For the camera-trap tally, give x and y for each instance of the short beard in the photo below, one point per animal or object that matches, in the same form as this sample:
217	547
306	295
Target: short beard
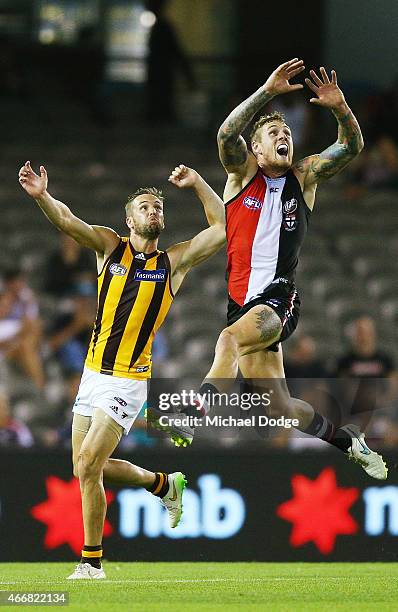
149	232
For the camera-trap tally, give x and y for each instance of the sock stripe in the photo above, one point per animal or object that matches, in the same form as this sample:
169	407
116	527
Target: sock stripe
160	484
92	554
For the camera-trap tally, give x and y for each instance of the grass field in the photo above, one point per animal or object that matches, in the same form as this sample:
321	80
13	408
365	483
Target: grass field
215	586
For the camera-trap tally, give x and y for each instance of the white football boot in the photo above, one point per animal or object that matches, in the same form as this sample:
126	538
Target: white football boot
85	571
172	501
360	452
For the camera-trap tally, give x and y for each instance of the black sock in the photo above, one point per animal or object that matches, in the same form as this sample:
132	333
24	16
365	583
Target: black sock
341	439
92	555
161	485
207	390
322	428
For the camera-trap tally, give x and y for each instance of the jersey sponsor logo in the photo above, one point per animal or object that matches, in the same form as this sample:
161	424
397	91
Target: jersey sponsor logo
141	369
140	256
252	203
117	269
120	401
153	276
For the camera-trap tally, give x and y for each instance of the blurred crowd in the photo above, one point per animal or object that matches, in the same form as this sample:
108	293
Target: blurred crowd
46	352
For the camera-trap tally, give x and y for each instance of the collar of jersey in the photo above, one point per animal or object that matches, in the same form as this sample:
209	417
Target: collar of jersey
277	178
146	255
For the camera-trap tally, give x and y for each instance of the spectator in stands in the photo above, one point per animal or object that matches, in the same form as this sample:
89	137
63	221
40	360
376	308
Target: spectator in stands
376	168
72	330
302	360
166	59
373	395
364	359
301	367
66	266
20	326
12	431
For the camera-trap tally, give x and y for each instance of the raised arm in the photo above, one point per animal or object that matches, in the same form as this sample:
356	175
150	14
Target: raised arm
192	252
101	239
232	147
349	141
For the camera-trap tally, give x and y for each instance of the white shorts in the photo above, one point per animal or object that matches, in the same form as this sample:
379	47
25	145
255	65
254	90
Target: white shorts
121	398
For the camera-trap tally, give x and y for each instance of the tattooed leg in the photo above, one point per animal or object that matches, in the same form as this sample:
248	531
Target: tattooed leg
256	330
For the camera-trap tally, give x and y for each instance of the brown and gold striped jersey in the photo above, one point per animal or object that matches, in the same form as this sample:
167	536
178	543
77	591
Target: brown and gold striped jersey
134	296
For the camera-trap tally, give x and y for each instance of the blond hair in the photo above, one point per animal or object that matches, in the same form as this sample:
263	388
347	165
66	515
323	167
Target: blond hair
274	116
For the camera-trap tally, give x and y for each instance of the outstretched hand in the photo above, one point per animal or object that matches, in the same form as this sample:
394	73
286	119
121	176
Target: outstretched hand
278	82
35	185
328	92
183	177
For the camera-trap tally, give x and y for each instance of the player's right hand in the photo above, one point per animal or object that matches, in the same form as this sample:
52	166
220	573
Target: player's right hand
278	82
35	185
183	177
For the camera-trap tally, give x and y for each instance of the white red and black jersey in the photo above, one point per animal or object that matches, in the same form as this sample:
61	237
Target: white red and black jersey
266	224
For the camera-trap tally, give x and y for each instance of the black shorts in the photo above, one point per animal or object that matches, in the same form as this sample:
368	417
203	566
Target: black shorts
283	299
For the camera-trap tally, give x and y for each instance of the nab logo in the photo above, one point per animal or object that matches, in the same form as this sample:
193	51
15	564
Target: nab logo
214	513
117	269
252	203
319	511
153	276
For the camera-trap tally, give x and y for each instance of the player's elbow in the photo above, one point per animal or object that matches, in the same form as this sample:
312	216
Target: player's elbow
223	138
355	147
66	220
218	235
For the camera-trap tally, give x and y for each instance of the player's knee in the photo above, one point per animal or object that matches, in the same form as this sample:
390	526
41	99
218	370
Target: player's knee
88	466
227	342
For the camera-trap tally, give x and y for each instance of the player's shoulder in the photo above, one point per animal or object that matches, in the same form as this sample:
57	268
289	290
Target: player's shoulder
237	181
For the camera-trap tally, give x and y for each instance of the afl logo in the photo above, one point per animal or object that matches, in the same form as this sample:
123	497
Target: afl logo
252	203
117	269
290	206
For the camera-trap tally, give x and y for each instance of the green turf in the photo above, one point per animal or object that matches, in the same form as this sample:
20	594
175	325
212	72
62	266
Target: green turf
215	586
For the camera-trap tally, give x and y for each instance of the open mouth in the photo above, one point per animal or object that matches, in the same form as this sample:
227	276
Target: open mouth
282	149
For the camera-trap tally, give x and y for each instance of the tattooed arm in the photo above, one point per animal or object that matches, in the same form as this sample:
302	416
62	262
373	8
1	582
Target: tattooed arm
349	144
232	147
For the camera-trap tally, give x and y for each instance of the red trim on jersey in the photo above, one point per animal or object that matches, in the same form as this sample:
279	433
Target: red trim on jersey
241	226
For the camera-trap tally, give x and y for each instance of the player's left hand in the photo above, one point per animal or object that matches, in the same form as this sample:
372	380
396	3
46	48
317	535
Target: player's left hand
183	177
328	92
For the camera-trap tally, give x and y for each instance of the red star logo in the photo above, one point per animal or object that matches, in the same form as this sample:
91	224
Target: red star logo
62	513
319	511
